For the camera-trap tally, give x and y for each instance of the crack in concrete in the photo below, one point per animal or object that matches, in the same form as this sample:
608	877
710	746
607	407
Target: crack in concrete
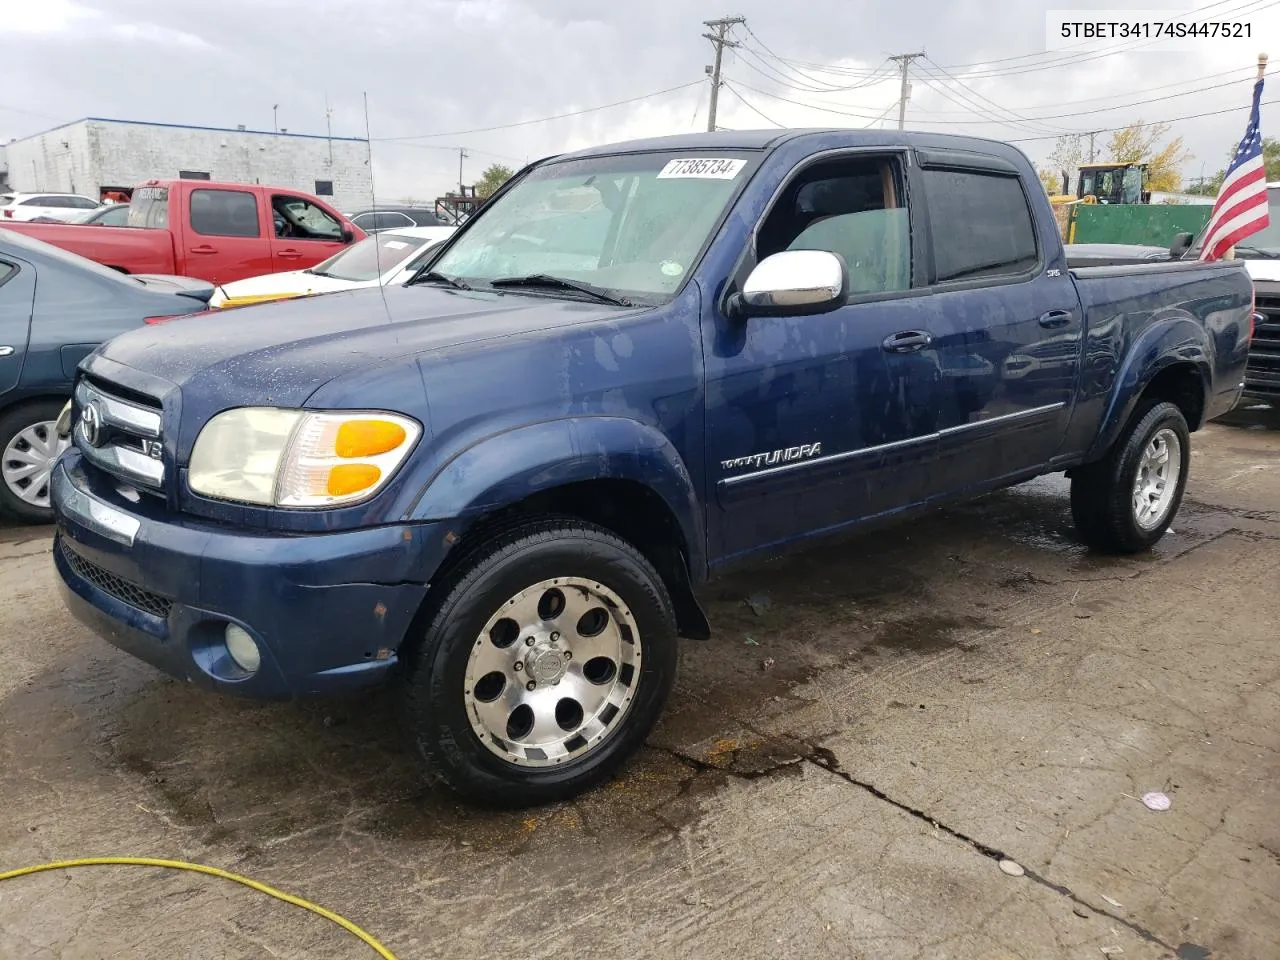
824	759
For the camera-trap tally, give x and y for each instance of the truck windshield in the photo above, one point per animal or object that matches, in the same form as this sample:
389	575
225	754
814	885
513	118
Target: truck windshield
149	207
1263	245
632	226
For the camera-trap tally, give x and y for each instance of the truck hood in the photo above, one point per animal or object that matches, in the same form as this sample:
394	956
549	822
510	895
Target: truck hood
280	353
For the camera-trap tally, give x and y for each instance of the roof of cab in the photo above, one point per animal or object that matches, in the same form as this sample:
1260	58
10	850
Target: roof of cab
769	139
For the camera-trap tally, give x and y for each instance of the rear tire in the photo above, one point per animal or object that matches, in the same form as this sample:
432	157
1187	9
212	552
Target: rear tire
1125	502
29	445
545	665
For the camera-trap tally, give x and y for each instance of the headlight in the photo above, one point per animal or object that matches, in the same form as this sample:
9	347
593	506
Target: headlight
292	458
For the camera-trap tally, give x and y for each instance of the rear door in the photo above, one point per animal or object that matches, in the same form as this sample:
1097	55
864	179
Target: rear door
305	232
1004	322
224	240
17	295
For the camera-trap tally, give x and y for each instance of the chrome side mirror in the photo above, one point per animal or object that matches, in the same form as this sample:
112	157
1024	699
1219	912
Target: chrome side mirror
794	283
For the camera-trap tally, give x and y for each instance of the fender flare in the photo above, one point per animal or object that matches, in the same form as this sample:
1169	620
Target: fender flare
507	467
1171	340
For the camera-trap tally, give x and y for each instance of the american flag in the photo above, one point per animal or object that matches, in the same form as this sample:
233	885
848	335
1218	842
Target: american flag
1241	207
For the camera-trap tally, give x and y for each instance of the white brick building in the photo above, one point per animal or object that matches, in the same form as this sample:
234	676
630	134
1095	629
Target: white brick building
92	155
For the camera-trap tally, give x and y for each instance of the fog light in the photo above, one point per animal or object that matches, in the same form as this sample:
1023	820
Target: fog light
244	651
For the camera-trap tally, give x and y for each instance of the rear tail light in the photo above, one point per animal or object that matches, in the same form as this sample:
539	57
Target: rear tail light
9	214
155	320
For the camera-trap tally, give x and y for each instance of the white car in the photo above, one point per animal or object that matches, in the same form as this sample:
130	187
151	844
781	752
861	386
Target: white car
60	206
389	257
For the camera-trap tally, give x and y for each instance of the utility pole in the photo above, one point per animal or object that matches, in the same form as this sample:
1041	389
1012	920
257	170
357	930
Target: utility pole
1092	134
275	119
719	40
904	63
462	155
328	125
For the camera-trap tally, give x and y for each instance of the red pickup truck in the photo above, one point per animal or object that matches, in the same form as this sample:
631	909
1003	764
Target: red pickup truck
220	232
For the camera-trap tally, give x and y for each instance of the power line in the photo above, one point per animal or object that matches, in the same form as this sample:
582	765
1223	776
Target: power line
878	72
558	116
751	106
1070	59
1153	123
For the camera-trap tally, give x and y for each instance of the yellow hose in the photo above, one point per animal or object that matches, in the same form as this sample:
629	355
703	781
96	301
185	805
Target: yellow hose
318	910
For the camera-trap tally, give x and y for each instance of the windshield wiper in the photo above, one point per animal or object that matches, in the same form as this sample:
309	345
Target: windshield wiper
547	281
432	277
1259	253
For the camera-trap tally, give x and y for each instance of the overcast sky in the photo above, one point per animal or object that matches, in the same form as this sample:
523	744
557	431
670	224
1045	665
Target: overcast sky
439	67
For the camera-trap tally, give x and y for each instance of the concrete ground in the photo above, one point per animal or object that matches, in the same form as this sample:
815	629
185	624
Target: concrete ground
837	774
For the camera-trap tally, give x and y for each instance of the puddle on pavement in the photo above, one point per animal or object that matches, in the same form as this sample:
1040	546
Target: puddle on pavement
929	634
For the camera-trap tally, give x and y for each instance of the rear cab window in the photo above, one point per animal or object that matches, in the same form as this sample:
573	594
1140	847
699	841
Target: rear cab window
149	207
981	224
224	213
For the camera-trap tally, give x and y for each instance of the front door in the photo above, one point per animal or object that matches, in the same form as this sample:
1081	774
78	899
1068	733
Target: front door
304	233
17	295
817	421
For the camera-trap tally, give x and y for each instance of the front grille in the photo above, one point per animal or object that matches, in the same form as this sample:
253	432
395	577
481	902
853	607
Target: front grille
119	434
118	587
1262	376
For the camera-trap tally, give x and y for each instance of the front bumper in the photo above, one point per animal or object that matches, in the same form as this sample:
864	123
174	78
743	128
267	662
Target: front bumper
328	611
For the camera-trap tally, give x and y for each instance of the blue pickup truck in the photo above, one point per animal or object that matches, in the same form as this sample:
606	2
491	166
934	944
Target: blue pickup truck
499	486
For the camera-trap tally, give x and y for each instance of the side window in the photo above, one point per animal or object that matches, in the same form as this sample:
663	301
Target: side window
982	225
81	203
7	270
853	207
299	219
224	213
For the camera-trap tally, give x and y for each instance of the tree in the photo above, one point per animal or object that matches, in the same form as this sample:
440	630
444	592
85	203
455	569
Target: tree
1049	180
494	177
1270	159
1141	143
1068	154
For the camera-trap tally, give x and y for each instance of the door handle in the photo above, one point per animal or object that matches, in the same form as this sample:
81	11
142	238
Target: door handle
906	341
204	248
288	254
1055	318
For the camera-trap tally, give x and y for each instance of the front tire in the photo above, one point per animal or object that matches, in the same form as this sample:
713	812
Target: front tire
545	665
29	446
1125	502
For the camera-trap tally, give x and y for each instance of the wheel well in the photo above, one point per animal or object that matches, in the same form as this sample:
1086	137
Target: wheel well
636	514
30	399
1183	386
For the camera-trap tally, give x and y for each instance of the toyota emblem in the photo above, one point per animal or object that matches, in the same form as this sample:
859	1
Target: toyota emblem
91	424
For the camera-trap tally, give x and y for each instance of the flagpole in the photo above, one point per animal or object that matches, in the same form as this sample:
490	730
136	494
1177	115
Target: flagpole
1262	70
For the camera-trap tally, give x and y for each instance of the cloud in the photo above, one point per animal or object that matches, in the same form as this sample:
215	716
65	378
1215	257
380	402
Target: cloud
433	66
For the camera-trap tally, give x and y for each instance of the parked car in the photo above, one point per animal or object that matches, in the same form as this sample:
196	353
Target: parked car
501	481
392	218
55	308
220	232
1261	255
388	257
58	206
108	215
